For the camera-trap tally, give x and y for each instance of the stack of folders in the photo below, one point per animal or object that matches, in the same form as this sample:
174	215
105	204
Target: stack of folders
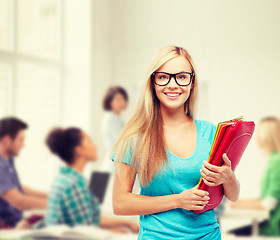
232	138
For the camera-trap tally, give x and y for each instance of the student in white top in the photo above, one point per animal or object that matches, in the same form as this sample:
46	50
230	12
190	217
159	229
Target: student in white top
114	103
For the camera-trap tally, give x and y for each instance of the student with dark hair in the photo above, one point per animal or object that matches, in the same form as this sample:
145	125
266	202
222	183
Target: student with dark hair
114	103
70	201
14	198
112	99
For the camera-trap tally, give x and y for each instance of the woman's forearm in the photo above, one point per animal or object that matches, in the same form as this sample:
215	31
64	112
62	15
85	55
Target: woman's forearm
232	188
135	204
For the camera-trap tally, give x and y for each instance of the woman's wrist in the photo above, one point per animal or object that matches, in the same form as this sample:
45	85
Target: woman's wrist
177	200
231	178
232	188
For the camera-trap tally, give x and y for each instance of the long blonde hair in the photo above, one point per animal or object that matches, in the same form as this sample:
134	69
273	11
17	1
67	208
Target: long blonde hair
143	132
269	134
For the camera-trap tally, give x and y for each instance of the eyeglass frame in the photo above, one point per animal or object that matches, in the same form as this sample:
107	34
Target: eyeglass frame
172	76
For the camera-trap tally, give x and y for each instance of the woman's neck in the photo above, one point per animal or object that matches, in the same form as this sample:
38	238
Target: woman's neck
79	164
173	117
118	113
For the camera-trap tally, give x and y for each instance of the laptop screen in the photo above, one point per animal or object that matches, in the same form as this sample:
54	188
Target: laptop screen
98	184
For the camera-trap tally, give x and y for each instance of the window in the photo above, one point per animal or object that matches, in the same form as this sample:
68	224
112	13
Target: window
31	71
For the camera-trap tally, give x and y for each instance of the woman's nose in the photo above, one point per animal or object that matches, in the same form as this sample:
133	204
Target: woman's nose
172	83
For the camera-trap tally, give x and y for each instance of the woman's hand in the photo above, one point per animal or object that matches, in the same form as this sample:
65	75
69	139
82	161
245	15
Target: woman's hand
193	199
213	175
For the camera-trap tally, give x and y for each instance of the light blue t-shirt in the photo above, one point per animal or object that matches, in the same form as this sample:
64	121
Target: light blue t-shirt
181	174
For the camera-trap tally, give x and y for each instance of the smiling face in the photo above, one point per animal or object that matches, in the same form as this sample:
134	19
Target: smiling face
173	96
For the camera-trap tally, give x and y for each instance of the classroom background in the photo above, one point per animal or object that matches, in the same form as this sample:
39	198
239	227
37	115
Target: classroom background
58	58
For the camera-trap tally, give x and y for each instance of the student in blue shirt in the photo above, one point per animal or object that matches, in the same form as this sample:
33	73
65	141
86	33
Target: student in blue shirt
15	197
70	202
167	148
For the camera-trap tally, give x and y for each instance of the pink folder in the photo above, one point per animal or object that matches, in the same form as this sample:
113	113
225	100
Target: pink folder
232	138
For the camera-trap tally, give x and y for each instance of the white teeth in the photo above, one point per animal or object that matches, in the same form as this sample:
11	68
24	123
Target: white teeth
172	95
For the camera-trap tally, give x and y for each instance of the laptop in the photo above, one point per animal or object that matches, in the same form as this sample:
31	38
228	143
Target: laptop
98	184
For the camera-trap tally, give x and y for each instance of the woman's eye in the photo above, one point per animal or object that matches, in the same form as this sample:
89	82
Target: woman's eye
162	77
181	77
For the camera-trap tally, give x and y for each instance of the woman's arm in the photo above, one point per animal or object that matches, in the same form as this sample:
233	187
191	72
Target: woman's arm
127	203
214	175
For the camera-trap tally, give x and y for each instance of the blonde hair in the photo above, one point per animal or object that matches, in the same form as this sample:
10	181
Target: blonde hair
269	134
143	133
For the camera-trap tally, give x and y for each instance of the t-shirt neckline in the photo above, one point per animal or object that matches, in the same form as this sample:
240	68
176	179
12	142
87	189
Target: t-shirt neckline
196	145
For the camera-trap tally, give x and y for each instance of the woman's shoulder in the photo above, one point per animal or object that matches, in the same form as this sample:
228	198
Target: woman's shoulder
205	126
206	129
205	123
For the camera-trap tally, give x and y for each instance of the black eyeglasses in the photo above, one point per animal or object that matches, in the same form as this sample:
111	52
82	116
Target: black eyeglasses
181	78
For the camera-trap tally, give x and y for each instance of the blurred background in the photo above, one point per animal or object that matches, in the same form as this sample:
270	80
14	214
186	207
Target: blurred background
58	58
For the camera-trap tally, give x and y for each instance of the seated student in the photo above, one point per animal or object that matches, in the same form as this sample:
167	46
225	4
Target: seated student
14	198
268	139
70	201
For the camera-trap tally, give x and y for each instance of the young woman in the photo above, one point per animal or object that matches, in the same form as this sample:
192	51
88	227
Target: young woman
167	147
70	201
268	139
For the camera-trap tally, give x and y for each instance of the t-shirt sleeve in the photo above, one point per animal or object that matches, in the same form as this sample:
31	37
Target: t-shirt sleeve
6	181
126	158
274	178
208	130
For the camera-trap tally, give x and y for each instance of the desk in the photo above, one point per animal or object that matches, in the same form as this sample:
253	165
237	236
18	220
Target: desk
17	235
255	215
28	213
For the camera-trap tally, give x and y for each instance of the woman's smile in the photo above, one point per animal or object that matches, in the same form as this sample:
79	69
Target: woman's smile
172	95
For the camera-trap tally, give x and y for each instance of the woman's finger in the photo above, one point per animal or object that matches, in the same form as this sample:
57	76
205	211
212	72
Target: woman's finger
200	193
212	167
208	172
211	184
200	202
227	162
199	198
194	207
207	177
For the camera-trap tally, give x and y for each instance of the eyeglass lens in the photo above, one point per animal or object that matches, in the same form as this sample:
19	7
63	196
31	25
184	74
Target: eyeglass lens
181	78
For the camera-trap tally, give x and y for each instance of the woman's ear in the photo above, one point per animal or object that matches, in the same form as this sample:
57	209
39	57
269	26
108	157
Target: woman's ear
192	85
78	151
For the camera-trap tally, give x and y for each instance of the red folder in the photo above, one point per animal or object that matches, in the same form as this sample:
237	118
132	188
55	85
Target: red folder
232	138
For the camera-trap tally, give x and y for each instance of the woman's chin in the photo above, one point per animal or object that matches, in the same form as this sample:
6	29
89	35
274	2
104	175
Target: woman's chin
172	105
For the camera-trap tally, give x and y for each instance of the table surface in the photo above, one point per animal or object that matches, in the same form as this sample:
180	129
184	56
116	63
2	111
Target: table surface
245	213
